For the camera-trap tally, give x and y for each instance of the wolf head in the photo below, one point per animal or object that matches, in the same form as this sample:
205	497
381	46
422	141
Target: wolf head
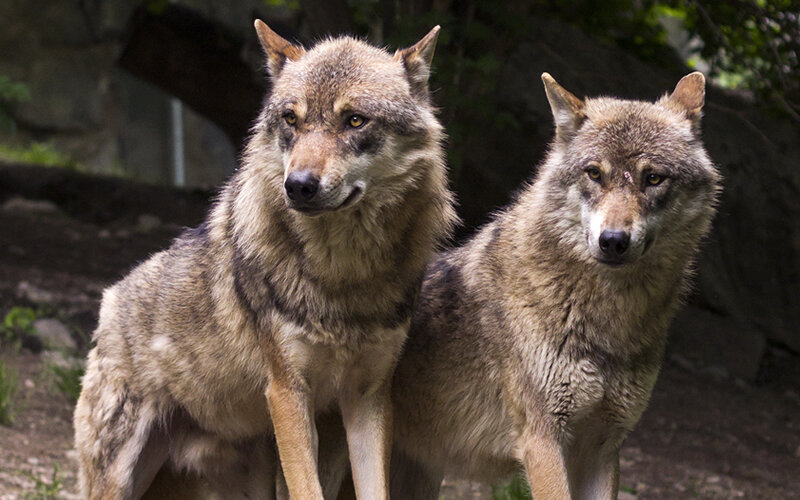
347	118
633	176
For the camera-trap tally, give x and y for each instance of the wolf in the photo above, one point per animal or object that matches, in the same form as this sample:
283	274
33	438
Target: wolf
535	346
294	296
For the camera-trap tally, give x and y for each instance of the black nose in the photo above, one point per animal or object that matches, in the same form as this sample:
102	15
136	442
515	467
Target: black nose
614	243
301	186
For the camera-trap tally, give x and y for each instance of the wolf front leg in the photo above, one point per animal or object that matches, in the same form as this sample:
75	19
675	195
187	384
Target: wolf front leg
543	458
291	409
594	469
368	424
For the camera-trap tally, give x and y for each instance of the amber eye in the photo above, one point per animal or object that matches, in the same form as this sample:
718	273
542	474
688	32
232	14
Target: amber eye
654	179
594	173
356	121
290	118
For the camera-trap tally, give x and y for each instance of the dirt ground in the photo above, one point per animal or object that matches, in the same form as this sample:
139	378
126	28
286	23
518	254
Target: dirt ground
702	436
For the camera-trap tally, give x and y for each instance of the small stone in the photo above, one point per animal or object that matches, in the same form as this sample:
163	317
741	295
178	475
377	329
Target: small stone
54	334
147	222
34	294
58	358
712	479
104	234
24	205
717	373
682	363
29	384
624	495
33	460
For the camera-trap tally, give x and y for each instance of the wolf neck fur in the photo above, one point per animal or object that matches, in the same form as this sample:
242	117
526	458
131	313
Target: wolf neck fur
347	248
557	281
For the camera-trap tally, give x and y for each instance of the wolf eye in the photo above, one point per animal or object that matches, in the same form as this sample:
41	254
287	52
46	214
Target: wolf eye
356	121
654	179
594	173
290	118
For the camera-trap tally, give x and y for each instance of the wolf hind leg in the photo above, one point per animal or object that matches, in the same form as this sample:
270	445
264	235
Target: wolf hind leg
411	480
120	440
250	476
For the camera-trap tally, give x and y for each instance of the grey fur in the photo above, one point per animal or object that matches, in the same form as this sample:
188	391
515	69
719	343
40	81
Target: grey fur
309	309
526	352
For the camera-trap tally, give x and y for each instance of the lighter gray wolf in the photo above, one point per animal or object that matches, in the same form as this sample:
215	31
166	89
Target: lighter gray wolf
293	297
535	346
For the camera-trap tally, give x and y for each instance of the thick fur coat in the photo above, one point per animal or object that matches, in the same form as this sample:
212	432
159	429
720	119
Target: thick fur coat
536	345
279	305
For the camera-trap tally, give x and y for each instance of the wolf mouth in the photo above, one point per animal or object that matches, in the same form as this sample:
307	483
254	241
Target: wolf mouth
354	196
312	211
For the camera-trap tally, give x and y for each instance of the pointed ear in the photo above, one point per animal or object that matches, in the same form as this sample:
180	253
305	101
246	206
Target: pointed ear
689	96
568	110
278	49
417	61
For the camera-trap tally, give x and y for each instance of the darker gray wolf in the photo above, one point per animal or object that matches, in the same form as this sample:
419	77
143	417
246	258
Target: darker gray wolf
535	346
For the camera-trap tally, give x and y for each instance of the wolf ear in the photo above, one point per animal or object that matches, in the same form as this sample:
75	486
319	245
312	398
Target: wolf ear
568	110
278	49
417	61
689	96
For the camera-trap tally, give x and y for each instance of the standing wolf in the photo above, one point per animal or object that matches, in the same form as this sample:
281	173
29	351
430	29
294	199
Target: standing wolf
537	344
293	296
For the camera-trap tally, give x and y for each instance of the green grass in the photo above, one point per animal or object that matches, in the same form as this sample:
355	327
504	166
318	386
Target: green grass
8	391
68	380
44	489
16	326
37	153
516	489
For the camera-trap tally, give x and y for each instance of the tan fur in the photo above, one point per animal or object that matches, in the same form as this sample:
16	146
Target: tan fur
269	312
527	351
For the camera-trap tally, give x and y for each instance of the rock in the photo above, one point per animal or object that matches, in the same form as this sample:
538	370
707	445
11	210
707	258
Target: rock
54	334
717	373
34	294
24	205
147	222
60	359
69	104
682	363
716	345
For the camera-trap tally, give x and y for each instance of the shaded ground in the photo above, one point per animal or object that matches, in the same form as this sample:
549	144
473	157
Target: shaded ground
701	437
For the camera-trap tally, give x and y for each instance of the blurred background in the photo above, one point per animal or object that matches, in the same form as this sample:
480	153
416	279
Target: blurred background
120	118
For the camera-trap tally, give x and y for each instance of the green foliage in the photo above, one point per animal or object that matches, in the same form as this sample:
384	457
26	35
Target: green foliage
8	391
17	325
11	92
753	44
516	489
44	489
68	380
37	153
287	4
